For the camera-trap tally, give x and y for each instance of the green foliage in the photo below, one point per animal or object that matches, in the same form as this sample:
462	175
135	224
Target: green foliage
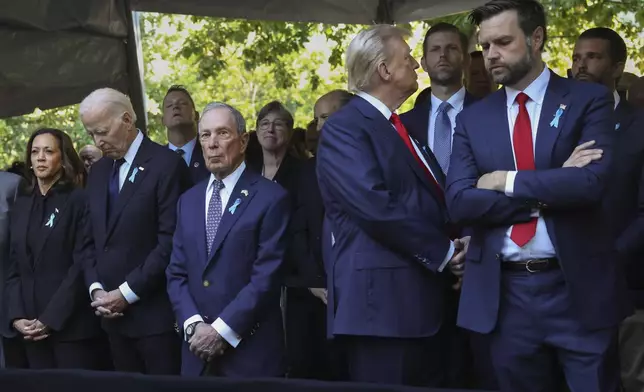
249	63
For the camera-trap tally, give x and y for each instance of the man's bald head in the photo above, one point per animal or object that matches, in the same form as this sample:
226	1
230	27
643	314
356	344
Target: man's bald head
89	155
636	92
328	104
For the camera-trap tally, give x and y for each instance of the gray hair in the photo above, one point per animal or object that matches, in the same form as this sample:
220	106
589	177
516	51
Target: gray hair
109	97
239	119
367	51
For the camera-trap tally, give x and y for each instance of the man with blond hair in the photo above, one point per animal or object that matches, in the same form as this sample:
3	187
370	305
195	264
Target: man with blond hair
384	202
133	193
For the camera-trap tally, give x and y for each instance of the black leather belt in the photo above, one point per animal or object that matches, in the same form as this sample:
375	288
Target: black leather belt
532	266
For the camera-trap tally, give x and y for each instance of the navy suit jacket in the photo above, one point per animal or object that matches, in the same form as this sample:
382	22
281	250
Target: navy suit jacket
569	200
134	243
243	274
47	282
197	167
625	198
389	223
417	119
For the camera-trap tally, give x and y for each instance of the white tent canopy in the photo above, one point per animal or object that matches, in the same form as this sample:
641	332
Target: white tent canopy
54	52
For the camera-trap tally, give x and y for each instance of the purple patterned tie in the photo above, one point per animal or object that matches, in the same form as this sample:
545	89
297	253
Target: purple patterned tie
214	213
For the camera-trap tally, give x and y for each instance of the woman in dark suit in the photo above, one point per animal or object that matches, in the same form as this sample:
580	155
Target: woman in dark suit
47	301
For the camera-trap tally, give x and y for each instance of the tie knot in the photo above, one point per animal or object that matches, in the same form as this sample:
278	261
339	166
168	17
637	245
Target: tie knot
180	151
522	98
217	185
119	162
444	107
395	118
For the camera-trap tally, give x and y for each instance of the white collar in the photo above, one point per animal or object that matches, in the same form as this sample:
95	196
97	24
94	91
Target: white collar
617	98
536	90
375	102
186	147
231	180
134	148
456	100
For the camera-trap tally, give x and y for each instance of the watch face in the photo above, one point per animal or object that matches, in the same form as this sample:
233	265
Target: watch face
191	329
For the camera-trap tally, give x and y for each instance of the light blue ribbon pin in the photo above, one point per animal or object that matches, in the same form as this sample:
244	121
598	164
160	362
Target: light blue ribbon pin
555	121
133	175
233	208
50	222
617	126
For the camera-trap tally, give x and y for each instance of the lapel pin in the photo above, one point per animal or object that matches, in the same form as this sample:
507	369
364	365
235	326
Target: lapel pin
617	126
555	121
50	222
141	168
133	175
233	208
244	192
196	164
56	210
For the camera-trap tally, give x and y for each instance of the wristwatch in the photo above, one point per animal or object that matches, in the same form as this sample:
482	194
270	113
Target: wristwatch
190	329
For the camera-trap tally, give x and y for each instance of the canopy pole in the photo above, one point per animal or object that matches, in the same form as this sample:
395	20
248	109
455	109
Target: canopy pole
136	84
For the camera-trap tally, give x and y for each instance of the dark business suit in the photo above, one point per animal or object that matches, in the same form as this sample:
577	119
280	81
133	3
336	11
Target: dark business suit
133	245
466	354
239	281
13	352
50	241
197	167
389	222
624	206
571	311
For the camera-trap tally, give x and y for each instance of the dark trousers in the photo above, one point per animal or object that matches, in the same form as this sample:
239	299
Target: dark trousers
157	354
310	354
88	354
395	361
537	338
13	350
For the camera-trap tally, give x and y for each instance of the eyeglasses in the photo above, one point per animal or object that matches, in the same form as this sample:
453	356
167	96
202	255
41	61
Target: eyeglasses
266	124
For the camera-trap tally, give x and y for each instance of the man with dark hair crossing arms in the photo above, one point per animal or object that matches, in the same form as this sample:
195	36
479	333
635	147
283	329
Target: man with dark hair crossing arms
541	274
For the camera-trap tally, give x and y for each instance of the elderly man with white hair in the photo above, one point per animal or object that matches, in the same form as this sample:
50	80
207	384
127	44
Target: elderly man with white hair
225	272
383	196
133	193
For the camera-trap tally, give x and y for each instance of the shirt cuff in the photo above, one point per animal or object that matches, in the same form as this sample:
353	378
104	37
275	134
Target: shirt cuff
226	332
128	294
448	257
509	183
94	286
194	319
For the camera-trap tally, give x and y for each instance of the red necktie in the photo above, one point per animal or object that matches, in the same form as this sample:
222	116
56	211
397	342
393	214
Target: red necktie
402	131
522	233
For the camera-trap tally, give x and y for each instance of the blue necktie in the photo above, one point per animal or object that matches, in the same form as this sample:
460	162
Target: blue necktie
113	188
214	213
443	136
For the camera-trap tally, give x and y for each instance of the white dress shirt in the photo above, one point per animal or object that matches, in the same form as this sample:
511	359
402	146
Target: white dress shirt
457	101
540	246
187	148
617	98
229	185
127	293
382	108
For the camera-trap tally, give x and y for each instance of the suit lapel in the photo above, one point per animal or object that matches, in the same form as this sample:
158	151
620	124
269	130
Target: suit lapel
420	116
26	204
100	190
135	176
235	207
200	218
196	160
556	96
59	208
499	131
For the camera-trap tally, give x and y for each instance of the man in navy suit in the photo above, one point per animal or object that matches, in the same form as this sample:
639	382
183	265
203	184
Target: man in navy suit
180	117
431	122
542	275
383	198
225	272
133	193
599	56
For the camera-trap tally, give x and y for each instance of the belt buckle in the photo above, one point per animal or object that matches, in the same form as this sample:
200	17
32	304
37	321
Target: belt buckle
529	262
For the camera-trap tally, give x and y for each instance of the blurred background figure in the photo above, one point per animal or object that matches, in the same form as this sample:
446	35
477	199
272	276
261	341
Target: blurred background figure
89	155
477	79
636	93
